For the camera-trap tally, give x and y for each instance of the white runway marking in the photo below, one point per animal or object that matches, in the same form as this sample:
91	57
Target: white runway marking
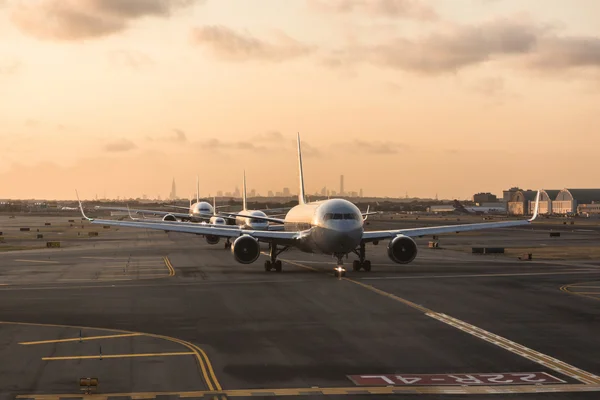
569	272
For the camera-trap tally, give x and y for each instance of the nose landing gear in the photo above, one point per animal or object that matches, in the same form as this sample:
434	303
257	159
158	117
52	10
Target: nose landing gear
361	263
339	271
227	244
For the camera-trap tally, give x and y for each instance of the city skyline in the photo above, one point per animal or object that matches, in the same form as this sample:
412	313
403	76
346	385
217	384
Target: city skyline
423	97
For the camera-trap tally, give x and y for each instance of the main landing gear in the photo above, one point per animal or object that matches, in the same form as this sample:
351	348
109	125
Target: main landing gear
274	263
227	244
361	263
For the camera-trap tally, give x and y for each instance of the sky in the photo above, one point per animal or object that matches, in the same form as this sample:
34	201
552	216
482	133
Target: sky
417	97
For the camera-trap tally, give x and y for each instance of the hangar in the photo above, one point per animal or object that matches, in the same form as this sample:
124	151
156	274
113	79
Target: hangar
520	200
567	200
546	199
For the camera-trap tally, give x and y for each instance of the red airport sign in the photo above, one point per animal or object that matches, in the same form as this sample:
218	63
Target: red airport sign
511	378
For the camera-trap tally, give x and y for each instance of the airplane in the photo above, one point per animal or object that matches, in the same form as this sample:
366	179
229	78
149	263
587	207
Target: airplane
333	227
254	219
198	211
477	210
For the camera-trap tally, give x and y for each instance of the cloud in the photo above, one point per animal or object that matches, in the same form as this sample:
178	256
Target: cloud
129	58
558	53
119	146
457	48
375	147
230	45
411	9
81	19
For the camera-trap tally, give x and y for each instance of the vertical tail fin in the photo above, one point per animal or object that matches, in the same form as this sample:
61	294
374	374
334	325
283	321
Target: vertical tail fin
244	192
301	196
214	206
197	189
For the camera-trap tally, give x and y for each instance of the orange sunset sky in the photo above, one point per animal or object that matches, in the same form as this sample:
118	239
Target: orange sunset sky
417	96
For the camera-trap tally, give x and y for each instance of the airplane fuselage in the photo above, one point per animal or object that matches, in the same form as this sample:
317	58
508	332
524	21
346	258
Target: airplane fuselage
332	226
245	221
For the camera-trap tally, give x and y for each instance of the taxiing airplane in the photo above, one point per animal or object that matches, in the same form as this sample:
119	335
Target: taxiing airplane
334	227
198	211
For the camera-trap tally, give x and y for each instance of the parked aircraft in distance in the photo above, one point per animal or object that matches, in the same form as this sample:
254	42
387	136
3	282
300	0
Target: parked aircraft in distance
477	210
334	227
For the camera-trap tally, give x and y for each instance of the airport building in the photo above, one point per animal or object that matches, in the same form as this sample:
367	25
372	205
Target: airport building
519	202
480	198
546	199
571	201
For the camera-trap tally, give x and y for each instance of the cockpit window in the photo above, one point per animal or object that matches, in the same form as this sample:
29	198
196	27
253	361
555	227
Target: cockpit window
350	216
338	216
329	216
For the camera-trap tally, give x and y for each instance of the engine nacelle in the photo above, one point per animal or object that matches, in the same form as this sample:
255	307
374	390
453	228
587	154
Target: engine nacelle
245	249
169	217
212	239
402	249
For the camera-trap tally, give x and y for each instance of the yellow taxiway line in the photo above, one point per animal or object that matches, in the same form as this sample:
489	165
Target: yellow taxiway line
81	339
169	266
39	261
98	356
336	391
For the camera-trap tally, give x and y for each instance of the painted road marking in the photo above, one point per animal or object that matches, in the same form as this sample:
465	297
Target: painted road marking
106	258
510	378
543	359
568	272
547	361
571	289
81	339
39	261
207	372
169	266
336	391
98	356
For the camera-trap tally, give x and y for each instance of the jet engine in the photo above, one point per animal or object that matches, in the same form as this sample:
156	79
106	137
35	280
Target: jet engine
245	249
212	239
402	249
169	217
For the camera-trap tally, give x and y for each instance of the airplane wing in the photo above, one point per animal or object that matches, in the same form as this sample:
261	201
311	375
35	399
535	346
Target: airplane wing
371	236
147	212
266	219
279	237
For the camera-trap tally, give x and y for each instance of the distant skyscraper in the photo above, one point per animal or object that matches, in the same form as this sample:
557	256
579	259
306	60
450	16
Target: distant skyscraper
270	193
173	194
360	193
286	191
341	185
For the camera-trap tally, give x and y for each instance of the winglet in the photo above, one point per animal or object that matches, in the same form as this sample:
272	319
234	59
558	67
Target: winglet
130	216
301	196
81	208
536	210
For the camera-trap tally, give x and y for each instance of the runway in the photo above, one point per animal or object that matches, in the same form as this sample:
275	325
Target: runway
153	315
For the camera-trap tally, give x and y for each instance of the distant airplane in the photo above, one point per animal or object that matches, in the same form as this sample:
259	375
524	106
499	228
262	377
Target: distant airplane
197	212
334	227
477	210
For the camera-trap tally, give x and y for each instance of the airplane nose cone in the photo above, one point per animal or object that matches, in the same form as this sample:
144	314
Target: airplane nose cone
341	240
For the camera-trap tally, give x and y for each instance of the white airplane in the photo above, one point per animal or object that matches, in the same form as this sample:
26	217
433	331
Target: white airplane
334	227
198	211
477	210
254	219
